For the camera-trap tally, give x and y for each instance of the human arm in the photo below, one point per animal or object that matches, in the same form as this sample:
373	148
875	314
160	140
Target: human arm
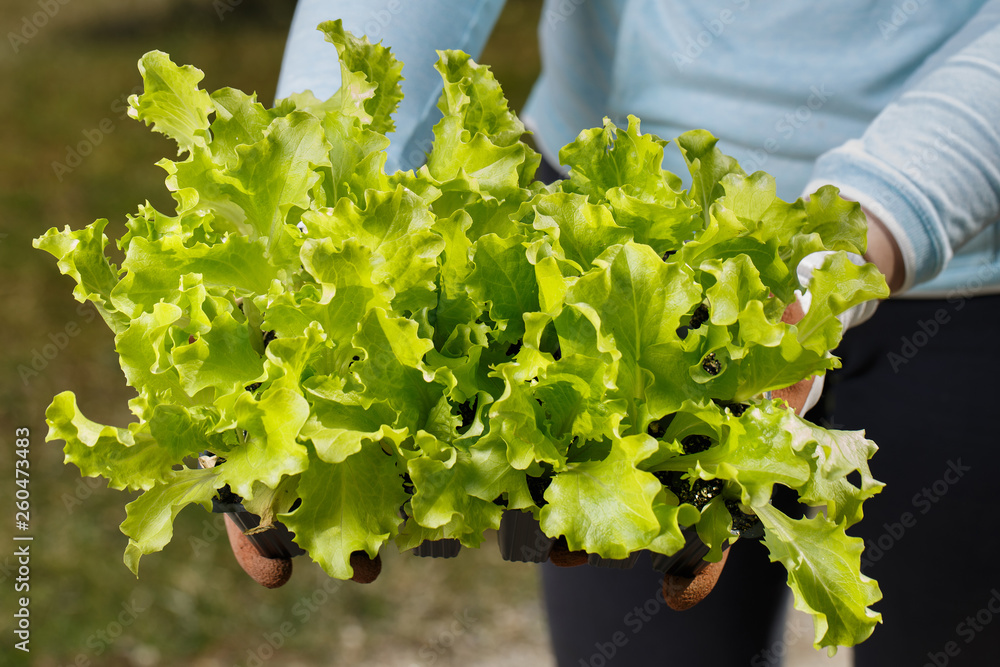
414	31
883	252
927	169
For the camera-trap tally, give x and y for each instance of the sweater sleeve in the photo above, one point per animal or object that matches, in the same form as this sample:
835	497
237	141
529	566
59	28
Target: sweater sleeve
414	31
928	166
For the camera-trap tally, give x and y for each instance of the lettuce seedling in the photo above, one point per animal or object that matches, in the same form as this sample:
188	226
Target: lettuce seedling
462	339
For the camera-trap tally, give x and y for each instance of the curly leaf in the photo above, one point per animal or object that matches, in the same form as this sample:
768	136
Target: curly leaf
824	573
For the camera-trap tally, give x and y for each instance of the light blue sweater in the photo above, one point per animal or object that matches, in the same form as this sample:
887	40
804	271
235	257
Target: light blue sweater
897	102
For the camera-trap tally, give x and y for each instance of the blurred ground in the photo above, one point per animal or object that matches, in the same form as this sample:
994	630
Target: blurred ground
70	155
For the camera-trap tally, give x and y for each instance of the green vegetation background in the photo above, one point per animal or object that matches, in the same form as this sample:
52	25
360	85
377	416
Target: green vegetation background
63	87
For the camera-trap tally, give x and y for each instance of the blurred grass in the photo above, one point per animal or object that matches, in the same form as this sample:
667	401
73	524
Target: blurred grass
192	605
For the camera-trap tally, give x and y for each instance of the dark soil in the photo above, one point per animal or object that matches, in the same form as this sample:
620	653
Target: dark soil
697	494
711	364
698	317
537	487
742	521
694	444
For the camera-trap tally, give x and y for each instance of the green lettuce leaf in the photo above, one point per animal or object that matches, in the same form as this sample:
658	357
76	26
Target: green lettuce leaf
171	101
276	174
443	482
605	506
403	357
128	458
346	507
376	62
823	566
150	517
80	255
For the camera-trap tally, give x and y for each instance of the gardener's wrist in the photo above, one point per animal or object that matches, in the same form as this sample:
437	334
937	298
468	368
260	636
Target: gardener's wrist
884	253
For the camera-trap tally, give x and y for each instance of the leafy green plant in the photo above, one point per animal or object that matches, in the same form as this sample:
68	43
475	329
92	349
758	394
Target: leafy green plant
461	339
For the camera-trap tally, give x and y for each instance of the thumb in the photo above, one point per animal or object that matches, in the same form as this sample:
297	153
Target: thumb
802	395
805	393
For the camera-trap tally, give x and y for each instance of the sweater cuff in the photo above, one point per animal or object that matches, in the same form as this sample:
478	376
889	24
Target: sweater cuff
906	213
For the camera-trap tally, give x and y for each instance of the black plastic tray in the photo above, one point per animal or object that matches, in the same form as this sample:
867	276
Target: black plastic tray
687	562
521	539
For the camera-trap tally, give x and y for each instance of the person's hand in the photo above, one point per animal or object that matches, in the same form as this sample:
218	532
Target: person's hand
804	394
682	593
883	251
